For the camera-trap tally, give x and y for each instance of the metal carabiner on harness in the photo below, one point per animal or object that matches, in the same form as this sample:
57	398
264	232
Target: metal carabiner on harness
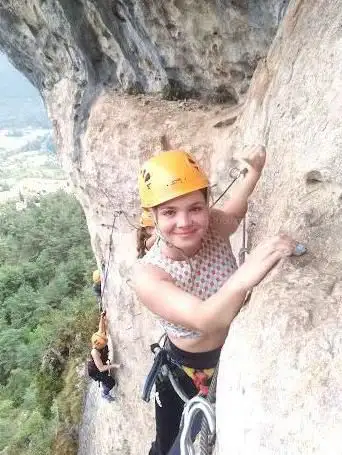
192	408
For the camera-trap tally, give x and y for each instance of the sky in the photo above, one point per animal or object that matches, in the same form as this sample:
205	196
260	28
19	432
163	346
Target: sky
20	102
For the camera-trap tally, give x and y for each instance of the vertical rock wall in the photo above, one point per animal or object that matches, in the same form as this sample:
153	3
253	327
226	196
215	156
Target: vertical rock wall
280	375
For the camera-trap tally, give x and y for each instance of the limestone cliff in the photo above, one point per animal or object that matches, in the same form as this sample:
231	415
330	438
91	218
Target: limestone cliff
124	79
281	367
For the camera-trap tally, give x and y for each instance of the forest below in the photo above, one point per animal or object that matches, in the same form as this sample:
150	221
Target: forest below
47	315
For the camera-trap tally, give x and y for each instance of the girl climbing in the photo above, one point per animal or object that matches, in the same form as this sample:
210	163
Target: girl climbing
189	278
98	369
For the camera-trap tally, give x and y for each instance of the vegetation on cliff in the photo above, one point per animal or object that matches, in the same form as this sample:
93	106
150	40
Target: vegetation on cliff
47	313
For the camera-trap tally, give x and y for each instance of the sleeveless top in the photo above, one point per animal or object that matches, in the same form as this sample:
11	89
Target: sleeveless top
92	368
201	275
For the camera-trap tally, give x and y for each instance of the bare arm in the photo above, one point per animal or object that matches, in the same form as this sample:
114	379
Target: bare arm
227	219
103	323
157	291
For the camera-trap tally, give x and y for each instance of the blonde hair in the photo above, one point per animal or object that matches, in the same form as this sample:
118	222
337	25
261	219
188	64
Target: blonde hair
99	340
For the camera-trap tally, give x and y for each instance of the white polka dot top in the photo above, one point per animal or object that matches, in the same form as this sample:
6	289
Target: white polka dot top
210	268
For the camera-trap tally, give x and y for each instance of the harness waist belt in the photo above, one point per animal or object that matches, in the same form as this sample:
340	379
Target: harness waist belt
196	360
198	366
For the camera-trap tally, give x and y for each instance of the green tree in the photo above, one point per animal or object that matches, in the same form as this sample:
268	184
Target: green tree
47	314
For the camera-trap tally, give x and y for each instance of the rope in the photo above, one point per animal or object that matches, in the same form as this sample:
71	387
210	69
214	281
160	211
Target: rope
175	384
119	212
107	264
234	173
207	435
243	249
128	221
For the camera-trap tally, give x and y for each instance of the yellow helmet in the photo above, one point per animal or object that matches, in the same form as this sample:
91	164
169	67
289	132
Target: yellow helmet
99	340
146	219
168	175
96	277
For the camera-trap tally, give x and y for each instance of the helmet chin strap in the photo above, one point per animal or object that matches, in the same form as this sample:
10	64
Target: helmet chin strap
169	244
162	237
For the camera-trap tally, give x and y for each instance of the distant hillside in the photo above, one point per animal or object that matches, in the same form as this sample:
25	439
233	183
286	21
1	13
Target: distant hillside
28	162
20	103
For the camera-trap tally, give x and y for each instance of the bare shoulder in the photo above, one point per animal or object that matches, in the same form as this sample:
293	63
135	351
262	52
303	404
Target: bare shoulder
146	274
223	223
154	288
95	353
158	292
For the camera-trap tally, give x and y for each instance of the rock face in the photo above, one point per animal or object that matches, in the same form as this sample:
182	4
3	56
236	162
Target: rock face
97	65
72	50
280	378
141	46
112	75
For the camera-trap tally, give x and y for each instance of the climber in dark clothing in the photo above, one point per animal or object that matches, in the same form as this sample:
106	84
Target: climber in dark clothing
98	369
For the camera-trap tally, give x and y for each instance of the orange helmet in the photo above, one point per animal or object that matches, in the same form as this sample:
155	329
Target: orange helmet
99	340
146	219
168	175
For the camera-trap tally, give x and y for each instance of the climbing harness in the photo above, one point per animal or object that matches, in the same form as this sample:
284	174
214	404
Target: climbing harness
161	369
205	405
93	371
200	378
207	435
166	367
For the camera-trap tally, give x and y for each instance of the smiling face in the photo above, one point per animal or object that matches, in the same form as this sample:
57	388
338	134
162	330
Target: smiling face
184	221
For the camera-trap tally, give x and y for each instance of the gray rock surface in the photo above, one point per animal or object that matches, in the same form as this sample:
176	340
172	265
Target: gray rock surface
141	46
71	51
280	379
